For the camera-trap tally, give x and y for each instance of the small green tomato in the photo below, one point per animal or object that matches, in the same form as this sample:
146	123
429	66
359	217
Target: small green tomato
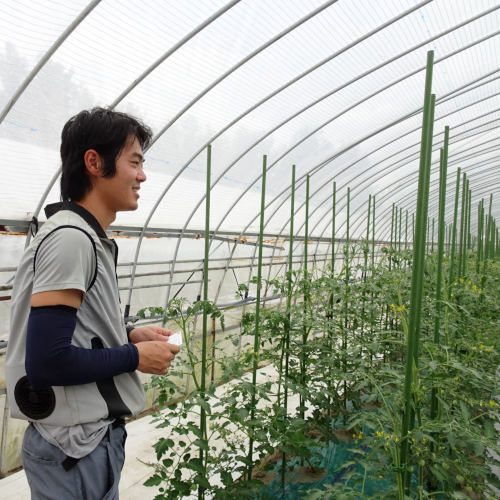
421	463
460	479
194	487
469	489
409	469
446	466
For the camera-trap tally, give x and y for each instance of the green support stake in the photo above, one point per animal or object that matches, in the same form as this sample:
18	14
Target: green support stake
392	235
441	237
462	226
347	272
203	415
368	232
413	229
487	236
365	269
256	344
287	326
373	237
333	225
396	214
468	220
454	236
406	231
417	277
480	219
428	229
466	228
400	219
432	245
306	304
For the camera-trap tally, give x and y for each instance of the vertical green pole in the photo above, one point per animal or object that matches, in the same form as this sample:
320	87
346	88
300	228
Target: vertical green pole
333	226
427	239
468	220
413	229
400	219
373	237
466	226
392	235
347	272
288	306
487	238
365	272
417	276
462	225
480	219
432	245
306	303
368	231
441	227
203	416
257	312
406	231
396	214
454	235
450	238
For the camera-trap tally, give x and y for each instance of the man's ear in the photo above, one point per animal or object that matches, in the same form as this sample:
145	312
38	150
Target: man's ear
93	162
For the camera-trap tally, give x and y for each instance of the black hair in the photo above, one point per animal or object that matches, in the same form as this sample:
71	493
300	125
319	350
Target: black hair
107	132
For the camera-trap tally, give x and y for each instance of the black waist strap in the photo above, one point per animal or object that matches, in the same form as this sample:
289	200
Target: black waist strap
70	462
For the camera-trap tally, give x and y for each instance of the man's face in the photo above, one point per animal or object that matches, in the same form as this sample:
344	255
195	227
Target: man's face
121	191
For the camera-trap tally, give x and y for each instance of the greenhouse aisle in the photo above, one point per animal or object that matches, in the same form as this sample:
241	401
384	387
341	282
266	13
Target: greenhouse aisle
142	435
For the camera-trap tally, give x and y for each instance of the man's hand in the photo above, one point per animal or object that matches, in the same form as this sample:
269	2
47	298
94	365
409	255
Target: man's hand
155	357
149	333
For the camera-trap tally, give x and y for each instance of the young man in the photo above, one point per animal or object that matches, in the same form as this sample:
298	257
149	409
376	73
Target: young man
71	363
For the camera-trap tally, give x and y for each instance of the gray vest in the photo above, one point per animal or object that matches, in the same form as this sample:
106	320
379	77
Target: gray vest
76	255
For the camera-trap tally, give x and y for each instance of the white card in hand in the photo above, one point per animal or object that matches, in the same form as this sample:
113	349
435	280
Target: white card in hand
175	339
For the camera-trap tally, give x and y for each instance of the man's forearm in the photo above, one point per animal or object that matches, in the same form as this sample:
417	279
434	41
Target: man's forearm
51	360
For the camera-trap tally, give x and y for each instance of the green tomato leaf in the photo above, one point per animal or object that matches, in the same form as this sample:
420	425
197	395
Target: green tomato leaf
153	481
465	411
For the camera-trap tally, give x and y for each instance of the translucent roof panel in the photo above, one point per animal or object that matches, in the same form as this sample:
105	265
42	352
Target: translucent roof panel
335	88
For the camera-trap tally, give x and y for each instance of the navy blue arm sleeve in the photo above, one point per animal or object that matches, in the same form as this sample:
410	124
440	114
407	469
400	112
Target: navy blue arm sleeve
52	360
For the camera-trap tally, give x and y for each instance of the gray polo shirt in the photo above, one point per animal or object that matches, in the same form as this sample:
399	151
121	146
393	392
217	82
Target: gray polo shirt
71	251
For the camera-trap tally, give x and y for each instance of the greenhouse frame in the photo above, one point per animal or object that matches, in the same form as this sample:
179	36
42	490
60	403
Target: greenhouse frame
318	222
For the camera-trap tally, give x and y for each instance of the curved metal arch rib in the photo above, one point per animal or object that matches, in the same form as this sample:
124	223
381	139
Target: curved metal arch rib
173	49
31	76
388	208
386	158
302	75
292	117
451	176
129	89
407	204
458	109
407	183
400	166
323	163
442	100
370	180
